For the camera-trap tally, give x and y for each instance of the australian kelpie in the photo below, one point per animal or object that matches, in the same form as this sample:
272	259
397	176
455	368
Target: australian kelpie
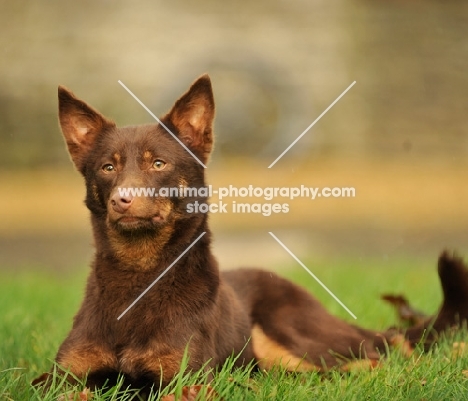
253	314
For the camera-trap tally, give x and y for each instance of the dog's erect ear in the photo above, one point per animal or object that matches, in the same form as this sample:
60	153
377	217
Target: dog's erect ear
80	124
192	116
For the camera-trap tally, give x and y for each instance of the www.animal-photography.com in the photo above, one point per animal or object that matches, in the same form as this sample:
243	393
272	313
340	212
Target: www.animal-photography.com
233	201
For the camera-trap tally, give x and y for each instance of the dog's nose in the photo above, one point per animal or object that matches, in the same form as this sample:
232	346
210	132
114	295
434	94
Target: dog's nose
121	203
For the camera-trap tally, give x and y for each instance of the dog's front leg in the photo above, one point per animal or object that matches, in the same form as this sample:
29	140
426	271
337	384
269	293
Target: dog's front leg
80	362
87	360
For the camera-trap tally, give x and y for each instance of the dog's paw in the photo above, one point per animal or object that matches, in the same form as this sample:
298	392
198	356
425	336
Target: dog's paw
407	315
41	380
402	345
192	393
84	395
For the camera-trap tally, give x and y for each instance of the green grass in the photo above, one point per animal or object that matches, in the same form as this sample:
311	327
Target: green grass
37	311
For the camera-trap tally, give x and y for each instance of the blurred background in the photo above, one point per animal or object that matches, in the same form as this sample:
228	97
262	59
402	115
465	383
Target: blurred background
399	136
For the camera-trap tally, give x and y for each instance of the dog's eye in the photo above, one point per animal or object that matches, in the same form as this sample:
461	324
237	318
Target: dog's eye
108	168
159	165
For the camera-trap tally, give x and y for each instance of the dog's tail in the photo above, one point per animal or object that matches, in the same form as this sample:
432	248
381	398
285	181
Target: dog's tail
453	313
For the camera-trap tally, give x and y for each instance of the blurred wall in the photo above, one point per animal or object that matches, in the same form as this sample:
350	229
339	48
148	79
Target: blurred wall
276	65
399	135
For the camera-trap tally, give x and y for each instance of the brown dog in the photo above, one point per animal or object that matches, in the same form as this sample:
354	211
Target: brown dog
251	313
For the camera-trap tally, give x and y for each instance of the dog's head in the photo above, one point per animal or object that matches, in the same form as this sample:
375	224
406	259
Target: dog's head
126	168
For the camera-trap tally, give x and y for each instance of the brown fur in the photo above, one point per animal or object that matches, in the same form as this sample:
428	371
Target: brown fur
453	312
215	314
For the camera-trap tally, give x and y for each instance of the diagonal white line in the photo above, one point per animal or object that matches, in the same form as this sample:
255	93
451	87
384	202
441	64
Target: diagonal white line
313	275
160	276
311	125
160	122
